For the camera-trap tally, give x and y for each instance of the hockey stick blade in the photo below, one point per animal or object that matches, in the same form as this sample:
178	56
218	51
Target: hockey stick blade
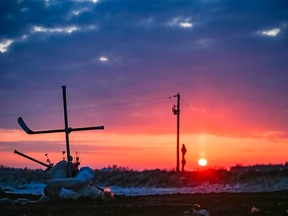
24	126
29	131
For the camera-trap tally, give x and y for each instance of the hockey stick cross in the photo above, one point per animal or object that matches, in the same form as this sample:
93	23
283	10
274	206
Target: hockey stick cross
66	130
29	131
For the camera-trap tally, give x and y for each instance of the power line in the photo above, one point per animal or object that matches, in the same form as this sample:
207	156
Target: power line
86	107
119	104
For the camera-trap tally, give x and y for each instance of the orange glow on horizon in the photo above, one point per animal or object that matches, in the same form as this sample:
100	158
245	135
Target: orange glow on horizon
140	151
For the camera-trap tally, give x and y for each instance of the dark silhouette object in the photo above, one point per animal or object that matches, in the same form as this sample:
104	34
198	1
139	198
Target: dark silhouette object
63	152
74	168
183	150
49	166
66	130
75	165
48	160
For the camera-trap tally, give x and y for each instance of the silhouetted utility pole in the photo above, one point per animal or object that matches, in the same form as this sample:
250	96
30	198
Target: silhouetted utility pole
176	111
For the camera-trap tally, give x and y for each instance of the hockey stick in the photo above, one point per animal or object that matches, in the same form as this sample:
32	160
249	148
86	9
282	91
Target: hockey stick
29	131
48	166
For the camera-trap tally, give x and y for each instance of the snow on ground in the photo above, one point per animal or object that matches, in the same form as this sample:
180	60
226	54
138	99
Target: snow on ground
37	189
131	183
30	188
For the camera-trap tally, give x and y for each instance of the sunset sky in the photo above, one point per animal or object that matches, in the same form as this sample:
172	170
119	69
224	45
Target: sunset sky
122	61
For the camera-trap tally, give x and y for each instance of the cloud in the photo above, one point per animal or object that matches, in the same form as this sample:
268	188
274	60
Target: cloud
186	24
68	29
272	32
93	1
4	45
103	59
80	11
181	22
271	135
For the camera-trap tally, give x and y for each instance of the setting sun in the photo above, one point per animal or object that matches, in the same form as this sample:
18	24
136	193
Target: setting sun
202	162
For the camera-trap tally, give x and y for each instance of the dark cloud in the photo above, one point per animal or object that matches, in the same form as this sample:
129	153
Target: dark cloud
223	60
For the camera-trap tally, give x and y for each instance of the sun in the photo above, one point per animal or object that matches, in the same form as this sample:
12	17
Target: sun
202	162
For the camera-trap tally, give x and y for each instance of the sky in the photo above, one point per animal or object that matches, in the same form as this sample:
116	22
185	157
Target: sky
123	62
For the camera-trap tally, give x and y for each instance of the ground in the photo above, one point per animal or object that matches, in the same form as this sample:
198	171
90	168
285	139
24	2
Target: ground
218	204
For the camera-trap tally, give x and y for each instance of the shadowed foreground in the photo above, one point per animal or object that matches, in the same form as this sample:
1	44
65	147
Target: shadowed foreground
219	204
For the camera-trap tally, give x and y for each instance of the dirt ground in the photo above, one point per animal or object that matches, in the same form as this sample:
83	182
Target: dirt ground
218	204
